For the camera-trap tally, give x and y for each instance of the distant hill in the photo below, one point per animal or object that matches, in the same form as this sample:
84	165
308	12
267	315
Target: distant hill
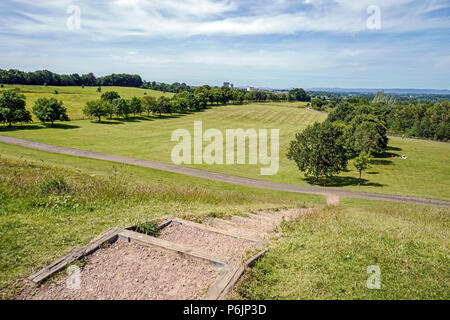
392	91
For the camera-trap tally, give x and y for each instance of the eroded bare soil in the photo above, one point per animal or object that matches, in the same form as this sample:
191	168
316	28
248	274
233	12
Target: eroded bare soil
127	271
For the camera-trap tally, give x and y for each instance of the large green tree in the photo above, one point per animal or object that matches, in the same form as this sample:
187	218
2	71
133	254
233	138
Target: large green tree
164	105
367	133
299	95
319	151
50	110
12	108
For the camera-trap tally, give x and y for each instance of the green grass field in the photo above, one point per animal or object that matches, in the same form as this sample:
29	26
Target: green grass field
326	255
323	256
426	173
75	98
40	222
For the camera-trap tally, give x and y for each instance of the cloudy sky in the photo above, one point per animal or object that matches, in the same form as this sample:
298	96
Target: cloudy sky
279	43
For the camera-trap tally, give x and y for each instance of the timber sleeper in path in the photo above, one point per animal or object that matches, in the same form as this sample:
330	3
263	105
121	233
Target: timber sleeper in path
186	261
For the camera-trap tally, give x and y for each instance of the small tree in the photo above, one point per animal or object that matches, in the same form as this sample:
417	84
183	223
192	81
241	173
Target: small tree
317	104
110	110
50	110
12	108
135	105
319	150
362	163
121	107
164	105
110	96
97	109
149	104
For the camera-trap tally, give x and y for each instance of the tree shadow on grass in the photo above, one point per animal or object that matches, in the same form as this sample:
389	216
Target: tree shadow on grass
382	162
169	116
61	126
136	119
342	182
108	122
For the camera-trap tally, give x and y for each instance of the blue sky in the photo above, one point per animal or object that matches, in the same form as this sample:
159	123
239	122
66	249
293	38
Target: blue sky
279	43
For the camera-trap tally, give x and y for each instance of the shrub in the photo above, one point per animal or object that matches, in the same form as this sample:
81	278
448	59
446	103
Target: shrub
149	228
57	185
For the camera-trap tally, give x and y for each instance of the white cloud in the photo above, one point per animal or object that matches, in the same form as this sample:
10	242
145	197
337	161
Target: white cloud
174	18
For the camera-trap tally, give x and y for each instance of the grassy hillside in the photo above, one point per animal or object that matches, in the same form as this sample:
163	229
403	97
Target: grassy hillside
46	209
75	98
426	173
326	255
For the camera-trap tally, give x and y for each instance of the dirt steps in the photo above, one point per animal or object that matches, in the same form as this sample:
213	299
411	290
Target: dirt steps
237	229
269	218
214	255
207	241
289	214
255	224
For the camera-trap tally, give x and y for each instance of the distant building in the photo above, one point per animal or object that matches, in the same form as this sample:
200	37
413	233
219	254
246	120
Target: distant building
228	84
250	88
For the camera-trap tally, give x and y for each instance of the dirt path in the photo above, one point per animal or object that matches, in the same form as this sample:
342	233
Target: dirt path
133	268
220	176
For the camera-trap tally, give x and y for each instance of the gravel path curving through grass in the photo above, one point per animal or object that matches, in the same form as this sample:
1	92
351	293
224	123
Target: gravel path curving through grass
222	177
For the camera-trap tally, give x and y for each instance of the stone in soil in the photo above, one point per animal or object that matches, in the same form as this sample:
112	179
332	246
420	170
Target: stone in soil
206	241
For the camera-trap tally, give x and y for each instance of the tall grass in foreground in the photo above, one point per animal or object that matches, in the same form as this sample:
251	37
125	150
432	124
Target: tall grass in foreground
326	255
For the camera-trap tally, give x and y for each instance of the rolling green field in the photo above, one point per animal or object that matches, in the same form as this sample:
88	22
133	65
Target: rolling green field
75	98
326	255
425	173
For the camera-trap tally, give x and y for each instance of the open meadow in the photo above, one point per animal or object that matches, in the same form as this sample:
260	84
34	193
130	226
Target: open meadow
75	98
426	172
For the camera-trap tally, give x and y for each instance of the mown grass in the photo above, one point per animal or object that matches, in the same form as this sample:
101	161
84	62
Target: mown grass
326	255
45	210
75	98
426	172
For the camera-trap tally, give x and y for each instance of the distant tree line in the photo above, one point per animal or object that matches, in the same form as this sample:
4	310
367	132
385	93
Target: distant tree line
430	119
427	120
212	95
45	77
164	87
413	119
111	104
